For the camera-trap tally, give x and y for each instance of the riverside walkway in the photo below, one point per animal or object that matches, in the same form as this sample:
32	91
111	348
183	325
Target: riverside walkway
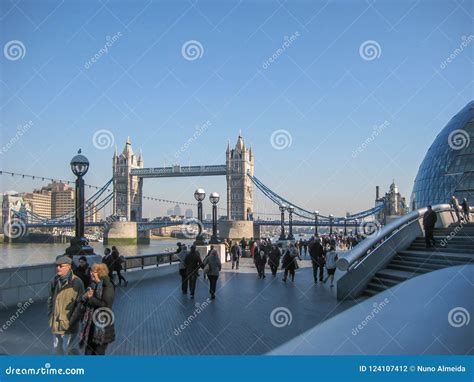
152	317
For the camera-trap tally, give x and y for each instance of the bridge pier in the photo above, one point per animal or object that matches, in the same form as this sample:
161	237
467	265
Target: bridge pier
236	229
122	233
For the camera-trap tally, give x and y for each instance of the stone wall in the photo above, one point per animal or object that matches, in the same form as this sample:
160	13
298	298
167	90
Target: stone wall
236	229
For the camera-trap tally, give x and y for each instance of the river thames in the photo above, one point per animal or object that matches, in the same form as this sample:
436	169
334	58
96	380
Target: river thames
13	255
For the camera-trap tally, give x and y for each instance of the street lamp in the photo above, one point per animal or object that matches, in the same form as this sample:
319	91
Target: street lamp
356	224
214	199
316	215
199	195
331	216
79	244
282	222
290	221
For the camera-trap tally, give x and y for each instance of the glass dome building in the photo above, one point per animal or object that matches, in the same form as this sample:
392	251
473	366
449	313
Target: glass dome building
448	167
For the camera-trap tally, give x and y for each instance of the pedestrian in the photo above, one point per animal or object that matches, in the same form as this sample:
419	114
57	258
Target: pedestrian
466	210
305	246
260	258
274	258
317	252
193	262
181	254
456	207
97	324
212	266
236	254
429	221
109	261
300	247
83	271
65	292
243	245
331	258
289	263
117	261
207	255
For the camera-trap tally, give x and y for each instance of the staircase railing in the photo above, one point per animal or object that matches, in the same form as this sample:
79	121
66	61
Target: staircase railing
353	257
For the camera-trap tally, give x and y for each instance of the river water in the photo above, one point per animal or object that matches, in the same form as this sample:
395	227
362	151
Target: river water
13	255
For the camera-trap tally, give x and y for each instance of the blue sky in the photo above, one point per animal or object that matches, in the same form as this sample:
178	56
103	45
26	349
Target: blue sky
322	89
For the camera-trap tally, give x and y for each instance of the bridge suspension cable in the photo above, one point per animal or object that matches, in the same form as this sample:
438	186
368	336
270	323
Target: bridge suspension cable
303	213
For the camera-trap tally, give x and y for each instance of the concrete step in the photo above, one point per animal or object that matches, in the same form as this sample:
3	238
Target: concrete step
420	264
429	260
449	240
412	270
464	257
454	250
393	274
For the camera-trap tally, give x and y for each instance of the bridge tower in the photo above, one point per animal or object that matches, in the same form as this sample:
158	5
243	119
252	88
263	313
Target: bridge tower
127	188
239	161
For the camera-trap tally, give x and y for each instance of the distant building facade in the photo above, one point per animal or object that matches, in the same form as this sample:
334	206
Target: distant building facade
394	204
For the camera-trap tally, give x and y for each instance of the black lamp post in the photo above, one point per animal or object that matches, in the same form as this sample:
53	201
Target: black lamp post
214	199
345	226
331	216
356	226
290	221
316	215
199	195
282	222
79	244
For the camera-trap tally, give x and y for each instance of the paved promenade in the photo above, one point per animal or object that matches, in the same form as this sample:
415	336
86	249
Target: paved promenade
149	313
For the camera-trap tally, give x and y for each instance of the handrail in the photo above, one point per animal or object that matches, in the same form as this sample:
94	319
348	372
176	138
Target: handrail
361	249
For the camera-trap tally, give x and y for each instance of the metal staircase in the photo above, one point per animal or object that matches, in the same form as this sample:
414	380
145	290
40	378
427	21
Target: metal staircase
455	246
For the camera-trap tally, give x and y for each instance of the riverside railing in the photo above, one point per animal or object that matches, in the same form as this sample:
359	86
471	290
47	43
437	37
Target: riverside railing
150	260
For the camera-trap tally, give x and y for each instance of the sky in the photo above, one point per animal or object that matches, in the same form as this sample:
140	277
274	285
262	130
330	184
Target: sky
335	97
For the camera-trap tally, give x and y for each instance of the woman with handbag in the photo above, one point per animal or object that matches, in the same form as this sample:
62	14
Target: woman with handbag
212	267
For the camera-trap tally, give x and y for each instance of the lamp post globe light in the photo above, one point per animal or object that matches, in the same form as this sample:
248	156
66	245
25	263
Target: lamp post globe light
199	195
316	215
290	221
282	208
331	217
214	199
79	244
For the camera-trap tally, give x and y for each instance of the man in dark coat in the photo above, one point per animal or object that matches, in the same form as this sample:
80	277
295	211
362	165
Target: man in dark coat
466	210
260	258
193	262
274	258
429	221
316	251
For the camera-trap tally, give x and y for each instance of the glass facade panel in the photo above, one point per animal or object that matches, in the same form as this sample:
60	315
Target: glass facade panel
448	167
